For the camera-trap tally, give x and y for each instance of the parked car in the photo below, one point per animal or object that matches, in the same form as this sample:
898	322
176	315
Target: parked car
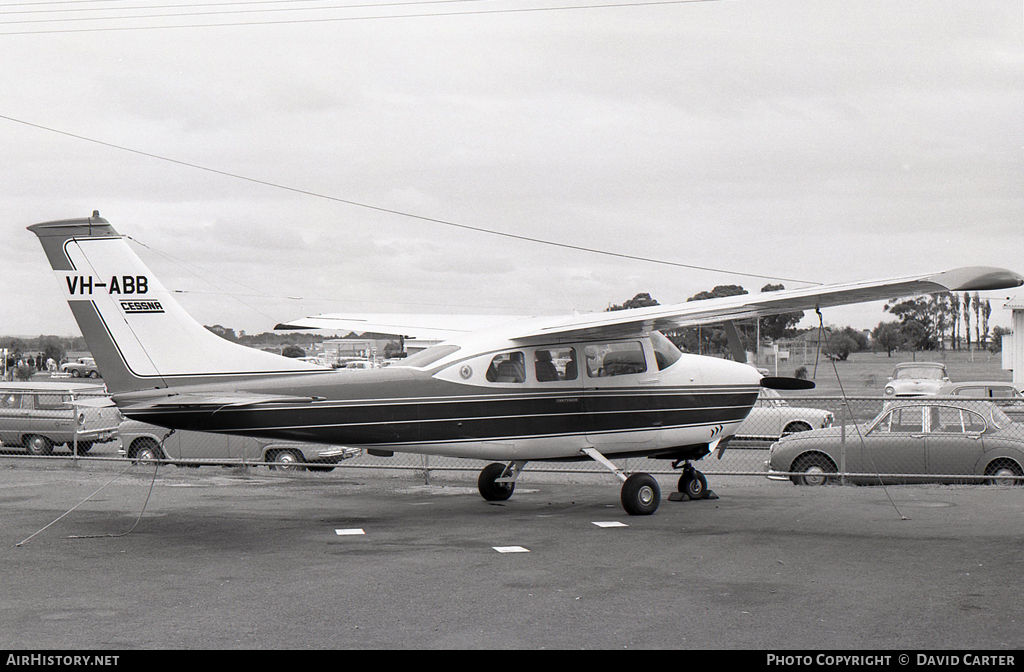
40	415
772	417
916	379
144	442
85	367
911	440
1004	395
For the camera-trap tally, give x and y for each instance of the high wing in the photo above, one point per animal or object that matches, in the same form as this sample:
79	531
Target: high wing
675	316
437	326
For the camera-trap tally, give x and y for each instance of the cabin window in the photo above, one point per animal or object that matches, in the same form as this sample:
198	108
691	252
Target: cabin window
508	367
553	364
615	359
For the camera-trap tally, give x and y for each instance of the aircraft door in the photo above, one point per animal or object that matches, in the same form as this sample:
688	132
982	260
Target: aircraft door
617	380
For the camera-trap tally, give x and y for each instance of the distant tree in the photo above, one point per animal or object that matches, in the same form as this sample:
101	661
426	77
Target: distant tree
293	351
887	336
775	327
954	316
916	318
986	312
224	332
839	344
712	339
977	320
639	301
967	318
996	344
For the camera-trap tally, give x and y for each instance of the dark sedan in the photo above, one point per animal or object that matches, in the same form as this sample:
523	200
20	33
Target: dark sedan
911	441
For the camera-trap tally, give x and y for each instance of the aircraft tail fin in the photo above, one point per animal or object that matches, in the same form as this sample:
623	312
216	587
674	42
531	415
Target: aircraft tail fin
139	335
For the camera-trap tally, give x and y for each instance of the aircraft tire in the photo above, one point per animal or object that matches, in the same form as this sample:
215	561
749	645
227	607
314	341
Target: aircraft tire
693	485
641	495
491	491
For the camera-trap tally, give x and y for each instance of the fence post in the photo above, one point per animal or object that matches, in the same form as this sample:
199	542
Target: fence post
842	441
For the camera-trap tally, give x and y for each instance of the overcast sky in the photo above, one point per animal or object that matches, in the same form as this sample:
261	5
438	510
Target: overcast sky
806	140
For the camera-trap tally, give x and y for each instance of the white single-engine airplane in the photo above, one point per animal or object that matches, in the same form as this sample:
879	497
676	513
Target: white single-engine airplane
547	388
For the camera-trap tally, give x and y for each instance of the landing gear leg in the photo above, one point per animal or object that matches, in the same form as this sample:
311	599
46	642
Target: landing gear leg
640	494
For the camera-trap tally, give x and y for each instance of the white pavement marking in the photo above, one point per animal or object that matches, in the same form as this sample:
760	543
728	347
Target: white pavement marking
609	523
510	549
349	532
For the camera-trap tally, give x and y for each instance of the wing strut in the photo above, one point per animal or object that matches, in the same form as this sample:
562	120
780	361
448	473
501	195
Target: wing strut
735	346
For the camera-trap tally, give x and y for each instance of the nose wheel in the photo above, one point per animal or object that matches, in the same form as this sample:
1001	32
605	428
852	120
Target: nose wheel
692	485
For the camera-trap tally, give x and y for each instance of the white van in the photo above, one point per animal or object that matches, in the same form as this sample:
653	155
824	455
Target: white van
37	416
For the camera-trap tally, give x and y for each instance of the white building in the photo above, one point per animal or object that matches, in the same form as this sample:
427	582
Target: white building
1013	344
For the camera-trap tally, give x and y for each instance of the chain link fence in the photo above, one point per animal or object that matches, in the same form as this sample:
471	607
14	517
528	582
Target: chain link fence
810	440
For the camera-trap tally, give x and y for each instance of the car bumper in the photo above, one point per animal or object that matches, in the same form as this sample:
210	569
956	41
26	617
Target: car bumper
335	454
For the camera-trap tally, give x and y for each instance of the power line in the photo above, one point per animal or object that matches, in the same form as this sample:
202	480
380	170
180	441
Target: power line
400	213
514	10
213	13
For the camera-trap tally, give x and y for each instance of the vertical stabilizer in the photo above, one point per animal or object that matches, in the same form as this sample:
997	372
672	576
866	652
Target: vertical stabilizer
139	335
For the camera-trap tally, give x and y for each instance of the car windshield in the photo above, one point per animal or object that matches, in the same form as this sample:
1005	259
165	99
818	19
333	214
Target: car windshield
921	372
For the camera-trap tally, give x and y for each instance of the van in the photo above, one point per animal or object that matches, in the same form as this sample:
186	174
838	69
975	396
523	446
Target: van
143	442
37	416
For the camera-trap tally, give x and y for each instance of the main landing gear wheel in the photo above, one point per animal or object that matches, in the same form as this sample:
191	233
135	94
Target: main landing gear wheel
641	495
491	491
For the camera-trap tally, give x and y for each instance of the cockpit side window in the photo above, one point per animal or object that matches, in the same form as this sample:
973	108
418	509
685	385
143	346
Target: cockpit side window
553	364
615	359
507	367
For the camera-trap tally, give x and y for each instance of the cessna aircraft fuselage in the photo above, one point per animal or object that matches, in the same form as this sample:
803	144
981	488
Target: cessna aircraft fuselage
635	395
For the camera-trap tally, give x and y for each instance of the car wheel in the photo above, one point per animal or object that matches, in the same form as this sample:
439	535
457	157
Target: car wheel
285	460
815	468
75	373
83	447
94	374
794	427
1003	472
146	451
38	445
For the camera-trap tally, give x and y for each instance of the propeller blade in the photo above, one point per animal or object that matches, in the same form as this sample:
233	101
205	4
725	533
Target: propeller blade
783	383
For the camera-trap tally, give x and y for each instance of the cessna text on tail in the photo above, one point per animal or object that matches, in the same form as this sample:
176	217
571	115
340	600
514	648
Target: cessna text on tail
597	386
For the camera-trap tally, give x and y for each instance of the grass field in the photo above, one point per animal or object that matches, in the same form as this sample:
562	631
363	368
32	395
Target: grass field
865	373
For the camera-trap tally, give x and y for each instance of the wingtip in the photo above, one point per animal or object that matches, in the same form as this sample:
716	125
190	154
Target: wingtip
978	278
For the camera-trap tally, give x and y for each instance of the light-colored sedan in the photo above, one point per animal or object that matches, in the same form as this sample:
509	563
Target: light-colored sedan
916	379
144	442
911	441
772	417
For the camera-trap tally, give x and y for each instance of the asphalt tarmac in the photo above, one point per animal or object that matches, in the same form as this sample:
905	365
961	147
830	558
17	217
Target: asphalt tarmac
252	559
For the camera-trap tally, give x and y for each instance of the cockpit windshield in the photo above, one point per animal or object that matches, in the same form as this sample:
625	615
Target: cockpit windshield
665	350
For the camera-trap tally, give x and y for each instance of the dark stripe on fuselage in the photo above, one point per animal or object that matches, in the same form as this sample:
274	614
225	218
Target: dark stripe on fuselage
467	418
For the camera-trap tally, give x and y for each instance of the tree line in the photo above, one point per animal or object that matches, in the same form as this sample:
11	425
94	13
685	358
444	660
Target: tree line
922	323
